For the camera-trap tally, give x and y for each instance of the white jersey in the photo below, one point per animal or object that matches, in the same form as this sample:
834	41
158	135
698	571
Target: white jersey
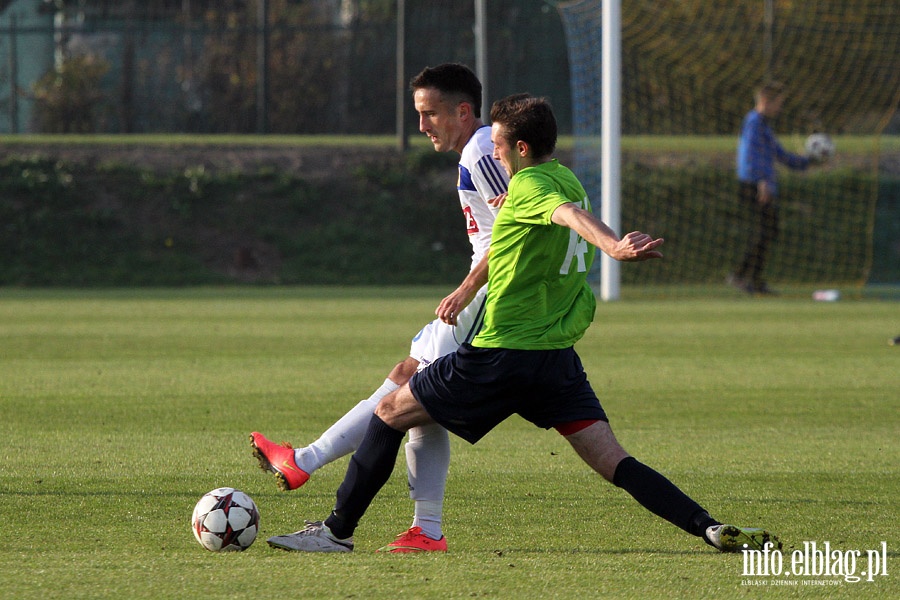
480	179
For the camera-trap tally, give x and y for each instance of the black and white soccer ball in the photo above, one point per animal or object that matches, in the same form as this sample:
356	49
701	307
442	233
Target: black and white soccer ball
225	519
819	147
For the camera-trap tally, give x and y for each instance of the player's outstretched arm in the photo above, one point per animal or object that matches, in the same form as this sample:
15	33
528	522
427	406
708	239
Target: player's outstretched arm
635	246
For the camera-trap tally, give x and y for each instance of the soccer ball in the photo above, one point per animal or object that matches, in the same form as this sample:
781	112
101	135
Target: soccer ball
225	519
819	147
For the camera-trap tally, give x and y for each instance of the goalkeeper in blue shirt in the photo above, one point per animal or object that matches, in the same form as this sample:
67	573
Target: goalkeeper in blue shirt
757	152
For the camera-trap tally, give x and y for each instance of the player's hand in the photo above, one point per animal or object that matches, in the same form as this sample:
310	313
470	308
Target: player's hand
498	201
637	246
450	307
763	193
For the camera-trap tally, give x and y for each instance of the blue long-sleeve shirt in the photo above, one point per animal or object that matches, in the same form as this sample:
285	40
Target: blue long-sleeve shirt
758	149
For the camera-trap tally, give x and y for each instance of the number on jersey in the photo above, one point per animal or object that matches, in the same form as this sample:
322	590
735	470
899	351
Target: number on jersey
578	249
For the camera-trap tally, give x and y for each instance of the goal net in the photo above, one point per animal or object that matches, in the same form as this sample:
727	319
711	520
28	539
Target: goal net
689	71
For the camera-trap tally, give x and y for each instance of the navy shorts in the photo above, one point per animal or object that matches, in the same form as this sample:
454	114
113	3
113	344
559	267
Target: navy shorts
472	390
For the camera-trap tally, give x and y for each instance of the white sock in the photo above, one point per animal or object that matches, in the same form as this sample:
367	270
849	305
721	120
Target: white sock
345	435
427	462
428	517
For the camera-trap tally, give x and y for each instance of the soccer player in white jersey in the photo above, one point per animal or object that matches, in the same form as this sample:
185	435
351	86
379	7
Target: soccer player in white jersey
448	100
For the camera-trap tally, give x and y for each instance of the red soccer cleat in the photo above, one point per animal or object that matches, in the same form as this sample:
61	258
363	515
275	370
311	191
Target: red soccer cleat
279	459
413	540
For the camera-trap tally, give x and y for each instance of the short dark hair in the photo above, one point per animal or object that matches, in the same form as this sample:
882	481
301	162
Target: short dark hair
527	118
452	79
770	90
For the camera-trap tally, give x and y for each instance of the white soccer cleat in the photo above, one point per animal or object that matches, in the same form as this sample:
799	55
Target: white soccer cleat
315	537
730	538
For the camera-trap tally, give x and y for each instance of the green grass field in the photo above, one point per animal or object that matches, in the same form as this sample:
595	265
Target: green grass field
122	407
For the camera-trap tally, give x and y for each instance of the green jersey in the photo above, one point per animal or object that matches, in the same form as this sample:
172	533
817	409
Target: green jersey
538	297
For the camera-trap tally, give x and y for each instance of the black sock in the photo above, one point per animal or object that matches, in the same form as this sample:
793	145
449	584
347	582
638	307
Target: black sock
368	471
661	497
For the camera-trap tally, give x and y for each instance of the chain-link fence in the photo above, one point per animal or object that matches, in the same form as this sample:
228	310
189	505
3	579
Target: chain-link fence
329	67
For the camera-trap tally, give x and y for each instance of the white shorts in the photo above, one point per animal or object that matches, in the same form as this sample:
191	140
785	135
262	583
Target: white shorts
437	338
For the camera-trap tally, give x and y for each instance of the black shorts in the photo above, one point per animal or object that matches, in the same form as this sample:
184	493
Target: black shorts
472	390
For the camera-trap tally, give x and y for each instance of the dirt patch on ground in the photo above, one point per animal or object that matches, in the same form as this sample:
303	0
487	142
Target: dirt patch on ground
312	162
324	162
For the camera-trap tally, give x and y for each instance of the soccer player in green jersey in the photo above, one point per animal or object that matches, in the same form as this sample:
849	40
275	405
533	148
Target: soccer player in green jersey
523	360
